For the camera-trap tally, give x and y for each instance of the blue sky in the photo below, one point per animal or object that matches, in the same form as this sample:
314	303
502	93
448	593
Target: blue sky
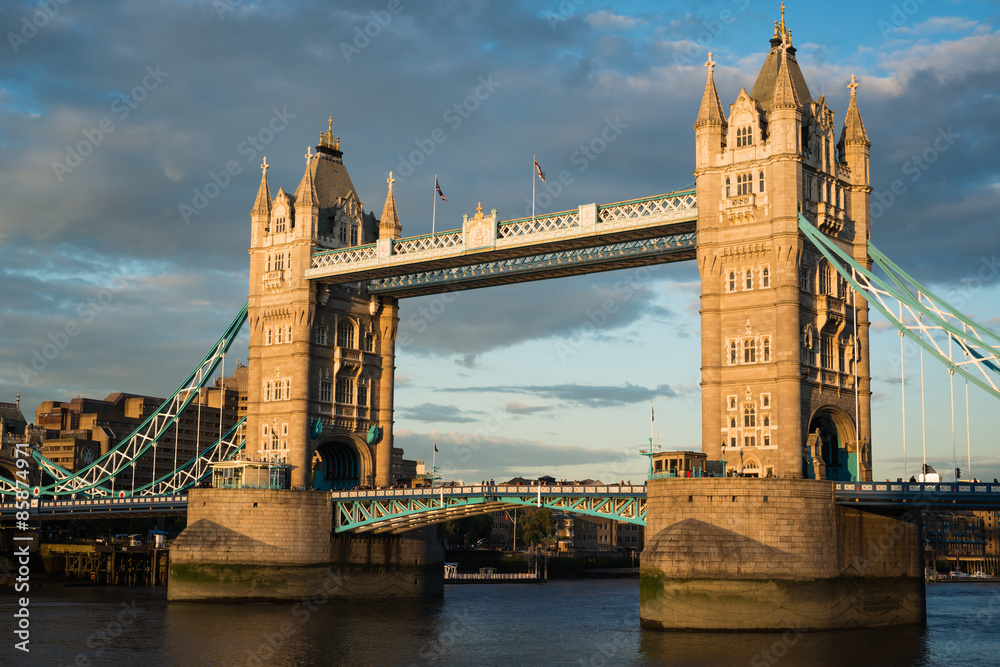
528	379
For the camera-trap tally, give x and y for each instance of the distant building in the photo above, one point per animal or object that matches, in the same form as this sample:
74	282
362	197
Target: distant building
955	534
76	433
13	429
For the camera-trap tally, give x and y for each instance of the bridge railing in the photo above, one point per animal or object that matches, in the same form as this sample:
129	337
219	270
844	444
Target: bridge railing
917	487
490	489
673	206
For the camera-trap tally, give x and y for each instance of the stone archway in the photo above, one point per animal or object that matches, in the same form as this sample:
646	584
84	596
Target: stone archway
341	463
836	436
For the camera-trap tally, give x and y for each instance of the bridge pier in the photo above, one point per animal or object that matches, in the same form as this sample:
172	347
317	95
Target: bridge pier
252	544
767	554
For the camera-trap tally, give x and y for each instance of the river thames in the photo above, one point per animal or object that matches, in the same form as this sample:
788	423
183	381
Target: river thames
589	623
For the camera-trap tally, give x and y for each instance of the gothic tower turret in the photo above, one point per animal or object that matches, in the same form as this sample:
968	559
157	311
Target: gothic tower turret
316	351
778	369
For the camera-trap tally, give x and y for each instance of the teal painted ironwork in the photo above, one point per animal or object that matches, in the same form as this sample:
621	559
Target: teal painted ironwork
91	480
919	314
400	510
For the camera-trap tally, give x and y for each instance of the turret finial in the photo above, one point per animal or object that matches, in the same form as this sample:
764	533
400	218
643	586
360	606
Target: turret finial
710	64
309	155
264	166
390	180
853	85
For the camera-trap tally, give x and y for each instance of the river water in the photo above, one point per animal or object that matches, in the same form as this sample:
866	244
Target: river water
588	623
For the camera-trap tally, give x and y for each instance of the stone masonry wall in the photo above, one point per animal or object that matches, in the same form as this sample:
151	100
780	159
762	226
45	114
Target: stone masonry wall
261	526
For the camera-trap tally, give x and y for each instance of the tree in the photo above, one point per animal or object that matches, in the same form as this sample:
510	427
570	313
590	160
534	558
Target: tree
535	525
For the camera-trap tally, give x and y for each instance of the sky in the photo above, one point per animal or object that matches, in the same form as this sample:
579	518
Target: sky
131	135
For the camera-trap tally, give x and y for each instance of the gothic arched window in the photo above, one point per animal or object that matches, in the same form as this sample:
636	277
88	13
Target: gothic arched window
345	334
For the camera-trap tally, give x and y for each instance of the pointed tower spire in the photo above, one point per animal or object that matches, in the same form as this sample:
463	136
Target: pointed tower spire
305	194
854	127
710	112
389	226
784	96
262	205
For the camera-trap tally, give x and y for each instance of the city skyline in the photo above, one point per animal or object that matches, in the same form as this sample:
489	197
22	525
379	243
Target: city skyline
139	246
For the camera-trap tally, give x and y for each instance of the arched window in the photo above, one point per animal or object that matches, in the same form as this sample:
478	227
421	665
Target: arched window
767	420
765	276
732	422
267	263
369	342
732	280
749	417
727	186
267	336
354	235
748	276
732	353
288	338
278	335
761	182
749	351
744	136
767	348
345	333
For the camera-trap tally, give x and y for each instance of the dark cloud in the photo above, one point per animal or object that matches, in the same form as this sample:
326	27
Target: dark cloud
434	413
114	219
593	396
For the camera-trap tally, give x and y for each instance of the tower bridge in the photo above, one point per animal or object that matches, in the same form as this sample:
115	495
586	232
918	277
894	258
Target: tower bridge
779	223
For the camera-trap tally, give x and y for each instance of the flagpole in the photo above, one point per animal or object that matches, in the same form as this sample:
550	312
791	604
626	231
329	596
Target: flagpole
433	466
435	206
534	161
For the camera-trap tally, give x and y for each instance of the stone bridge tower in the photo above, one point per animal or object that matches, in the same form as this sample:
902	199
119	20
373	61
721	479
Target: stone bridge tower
321	356
778	326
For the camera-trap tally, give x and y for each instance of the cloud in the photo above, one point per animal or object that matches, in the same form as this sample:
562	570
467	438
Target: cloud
518	408
475	456
434	413
593	396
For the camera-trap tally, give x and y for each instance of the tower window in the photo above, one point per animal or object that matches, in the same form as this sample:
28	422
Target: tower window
267	336
749	351
278	335
765	276
345	390
343	233
805	278
748	277
732	280
279	224
749	417
727	186
744	136
267	263
345	334
824	278
744	183
761	189
321	335
325	391
826	352
767	348
354	235
732	353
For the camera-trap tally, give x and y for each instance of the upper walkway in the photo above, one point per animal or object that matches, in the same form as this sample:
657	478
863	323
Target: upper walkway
485	251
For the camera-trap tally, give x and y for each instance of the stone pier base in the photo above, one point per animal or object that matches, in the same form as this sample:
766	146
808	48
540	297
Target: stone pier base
768	554
245	544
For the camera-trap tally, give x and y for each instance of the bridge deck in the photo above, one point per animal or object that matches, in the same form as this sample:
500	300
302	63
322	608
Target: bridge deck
583	240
